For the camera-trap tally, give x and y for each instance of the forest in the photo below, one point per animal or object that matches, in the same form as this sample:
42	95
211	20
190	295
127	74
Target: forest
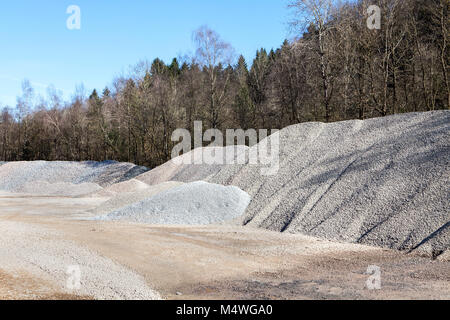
334	69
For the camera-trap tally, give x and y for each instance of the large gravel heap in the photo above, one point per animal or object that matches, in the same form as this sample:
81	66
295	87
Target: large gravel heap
195	203
64	178
381	181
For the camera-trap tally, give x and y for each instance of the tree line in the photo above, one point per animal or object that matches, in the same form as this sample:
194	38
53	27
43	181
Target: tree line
336	69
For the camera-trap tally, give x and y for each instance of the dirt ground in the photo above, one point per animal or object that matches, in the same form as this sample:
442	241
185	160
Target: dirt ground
185	262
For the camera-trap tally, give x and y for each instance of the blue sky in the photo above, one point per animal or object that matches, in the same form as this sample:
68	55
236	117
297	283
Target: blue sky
115	34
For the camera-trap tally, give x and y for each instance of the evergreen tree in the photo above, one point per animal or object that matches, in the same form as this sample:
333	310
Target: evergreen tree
106	92
158	67
243	105
174	68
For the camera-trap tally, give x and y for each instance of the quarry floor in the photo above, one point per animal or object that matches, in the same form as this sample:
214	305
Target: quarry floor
206	262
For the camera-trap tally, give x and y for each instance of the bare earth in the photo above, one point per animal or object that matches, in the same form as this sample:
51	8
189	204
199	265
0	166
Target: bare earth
41	236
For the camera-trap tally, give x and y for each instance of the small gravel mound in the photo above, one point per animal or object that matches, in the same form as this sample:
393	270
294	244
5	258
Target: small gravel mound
196	203
124	199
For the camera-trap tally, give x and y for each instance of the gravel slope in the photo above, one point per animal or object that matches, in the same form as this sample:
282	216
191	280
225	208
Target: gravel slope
179	169
381	182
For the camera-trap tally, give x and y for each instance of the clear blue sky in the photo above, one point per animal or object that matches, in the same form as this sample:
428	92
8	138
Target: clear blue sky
115	34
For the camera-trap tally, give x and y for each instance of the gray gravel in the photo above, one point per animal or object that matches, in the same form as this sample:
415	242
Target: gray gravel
47	255
126	198
196	203
34	177
382	182
174	171
62	189
128	186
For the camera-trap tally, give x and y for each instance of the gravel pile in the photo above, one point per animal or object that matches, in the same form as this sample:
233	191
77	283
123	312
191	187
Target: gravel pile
129	186
196	203
63	189
36	176
124	199
381	182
